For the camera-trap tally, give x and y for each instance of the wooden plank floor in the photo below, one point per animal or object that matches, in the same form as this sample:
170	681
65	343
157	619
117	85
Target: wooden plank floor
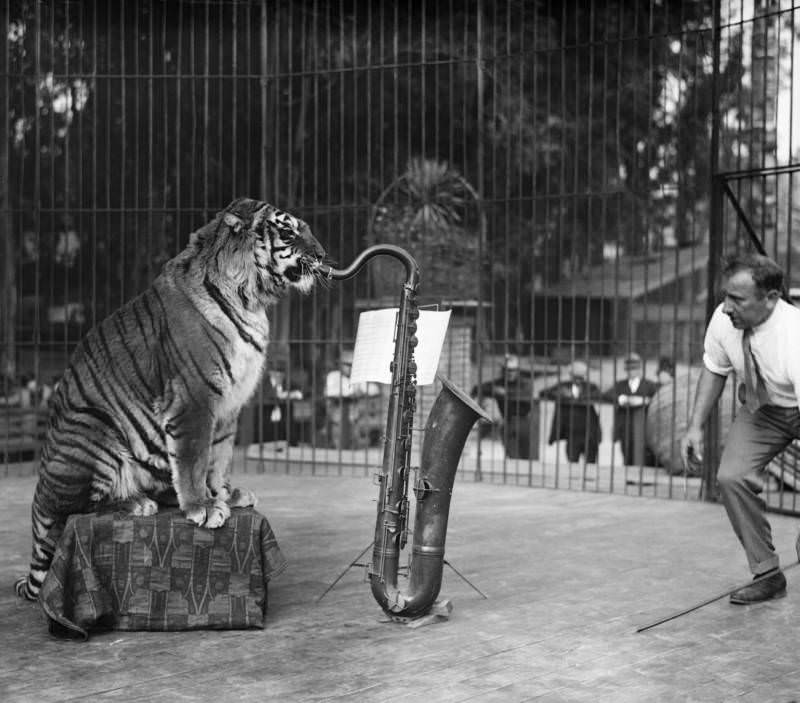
569	576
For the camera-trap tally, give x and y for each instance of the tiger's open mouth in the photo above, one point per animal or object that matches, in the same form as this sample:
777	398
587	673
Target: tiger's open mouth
304	267
304	274
294	274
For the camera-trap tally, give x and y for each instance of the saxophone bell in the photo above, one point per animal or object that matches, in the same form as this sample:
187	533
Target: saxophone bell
449	423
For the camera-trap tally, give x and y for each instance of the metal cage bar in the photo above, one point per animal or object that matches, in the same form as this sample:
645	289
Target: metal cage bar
579	221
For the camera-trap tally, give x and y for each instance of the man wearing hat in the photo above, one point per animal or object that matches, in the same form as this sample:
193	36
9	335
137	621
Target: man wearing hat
513	393
575	418
631	396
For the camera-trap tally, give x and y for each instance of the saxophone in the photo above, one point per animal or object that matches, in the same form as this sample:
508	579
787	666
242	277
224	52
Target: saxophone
450	420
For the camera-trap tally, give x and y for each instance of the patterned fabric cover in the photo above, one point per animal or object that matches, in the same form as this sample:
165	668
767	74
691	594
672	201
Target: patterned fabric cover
118	571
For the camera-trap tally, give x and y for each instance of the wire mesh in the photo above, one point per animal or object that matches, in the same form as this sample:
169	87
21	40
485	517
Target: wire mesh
549	165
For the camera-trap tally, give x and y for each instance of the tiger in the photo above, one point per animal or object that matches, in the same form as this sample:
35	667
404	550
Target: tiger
147	409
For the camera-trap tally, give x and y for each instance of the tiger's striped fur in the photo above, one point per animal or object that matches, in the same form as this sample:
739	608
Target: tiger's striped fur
149	403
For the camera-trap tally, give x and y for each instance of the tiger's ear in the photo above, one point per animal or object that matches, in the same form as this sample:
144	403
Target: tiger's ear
233	221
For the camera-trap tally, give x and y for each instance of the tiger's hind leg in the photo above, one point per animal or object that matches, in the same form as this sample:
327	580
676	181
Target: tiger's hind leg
141	506
242	498
130	488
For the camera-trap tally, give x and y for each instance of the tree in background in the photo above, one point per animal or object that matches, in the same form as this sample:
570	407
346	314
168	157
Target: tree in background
433	212
577	124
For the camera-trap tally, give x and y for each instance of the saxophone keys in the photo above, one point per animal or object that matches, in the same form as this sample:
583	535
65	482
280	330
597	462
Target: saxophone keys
422	486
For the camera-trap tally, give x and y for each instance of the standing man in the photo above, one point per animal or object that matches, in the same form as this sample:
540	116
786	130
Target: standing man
575	418
756	334
513	393
631	397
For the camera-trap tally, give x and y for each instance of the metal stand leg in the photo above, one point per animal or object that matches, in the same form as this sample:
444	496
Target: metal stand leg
355	562
349	566
466	580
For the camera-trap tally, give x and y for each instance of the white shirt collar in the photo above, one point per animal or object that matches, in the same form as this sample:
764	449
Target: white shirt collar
773	319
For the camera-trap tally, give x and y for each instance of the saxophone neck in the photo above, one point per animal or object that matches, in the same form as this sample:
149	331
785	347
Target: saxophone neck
408	261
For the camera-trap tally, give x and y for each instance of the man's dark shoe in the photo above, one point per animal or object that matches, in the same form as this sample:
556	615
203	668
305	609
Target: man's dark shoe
769	587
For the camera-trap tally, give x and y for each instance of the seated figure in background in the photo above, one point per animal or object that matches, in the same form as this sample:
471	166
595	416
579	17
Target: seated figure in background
349	408
25	393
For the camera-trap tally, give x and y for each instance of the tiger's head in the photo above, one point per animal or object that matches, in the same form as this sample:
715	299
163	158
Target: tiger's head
258	251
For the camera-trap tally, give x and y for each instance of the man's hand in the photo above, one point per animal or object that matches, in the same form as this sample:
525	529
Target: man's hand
692	448
631	401
709	388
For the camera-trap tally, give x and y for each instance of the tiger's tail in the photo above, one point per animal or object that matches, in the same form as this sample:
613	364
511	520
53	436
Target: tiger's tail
45	530
24	589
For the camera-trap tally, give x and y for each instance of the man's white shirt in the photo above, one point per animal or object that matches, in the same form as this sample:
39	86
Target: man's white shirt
775	345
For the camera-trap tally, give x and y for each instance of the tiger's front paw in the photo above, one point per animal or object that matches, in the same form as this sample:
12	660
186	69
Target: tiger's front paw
211	514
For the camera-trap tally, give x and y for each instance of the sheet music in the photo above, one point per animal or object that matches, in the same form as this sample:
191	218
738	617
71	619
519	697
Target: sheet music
374	348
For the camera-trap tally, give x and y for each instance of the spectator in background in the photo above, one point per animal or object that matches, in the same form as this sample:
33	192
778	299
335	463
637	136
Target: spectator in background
28	393
631	396
338	384
576	419
512	392
342	409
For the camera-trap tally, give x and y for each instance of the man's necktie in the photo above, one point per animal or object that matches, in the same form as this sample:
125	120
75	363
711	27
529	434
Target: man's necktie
755	392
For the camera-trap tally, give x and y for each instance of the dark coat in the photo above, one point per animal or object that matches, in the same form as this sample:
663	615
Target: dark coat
574	417
624	416
514	397
520	425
